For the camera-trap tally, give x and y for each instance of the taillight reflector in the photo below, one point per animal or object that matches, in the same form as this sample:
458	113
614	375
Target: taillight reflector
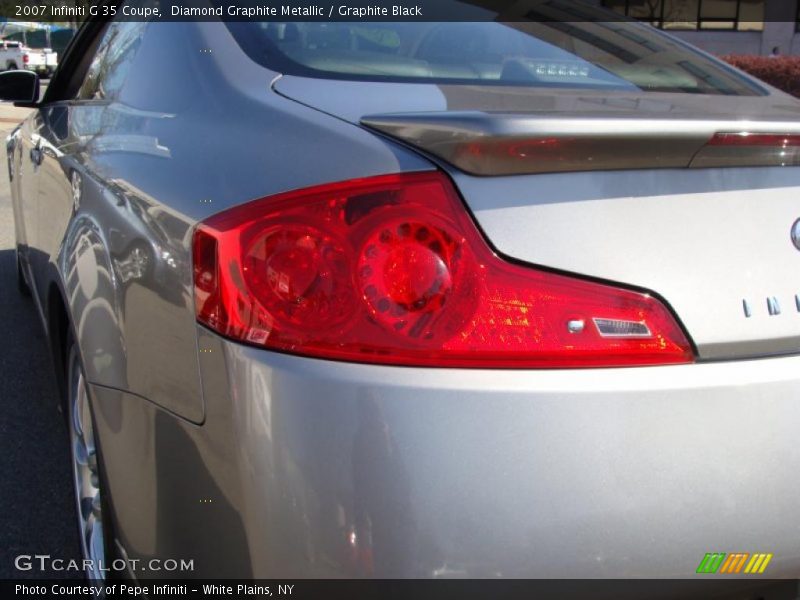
393	270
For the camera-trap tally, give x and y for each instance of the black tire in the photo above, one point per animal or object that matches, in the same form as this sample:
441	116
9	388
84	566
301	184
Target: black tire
108	554
12	66
22	285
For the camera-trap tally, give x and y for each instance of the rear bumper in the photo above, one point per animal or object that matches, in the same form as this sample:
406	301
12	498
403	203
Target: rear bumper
589	473
41	69
323	469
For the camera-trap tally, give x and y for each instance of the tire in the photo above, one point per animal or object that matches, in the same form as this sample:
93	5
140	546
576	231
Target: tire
95	527
22	285
12	66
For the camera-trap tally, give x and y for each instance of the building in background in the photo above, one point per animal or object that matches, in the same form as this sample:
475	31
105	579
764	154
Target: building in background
722	26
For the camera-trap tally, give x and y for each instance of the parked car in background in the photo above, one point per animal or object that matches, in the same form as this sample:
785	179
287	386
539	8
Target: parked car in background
39	58
12	55
420	299
15	55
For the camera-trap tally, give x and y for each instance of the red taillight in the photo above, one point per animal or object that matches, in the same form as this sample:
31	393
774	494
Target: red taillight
392	270
746	149
25	58
776	140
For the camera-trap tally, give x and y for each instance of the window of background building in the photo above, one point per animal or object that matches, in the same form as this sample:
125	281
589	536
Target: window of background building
721	15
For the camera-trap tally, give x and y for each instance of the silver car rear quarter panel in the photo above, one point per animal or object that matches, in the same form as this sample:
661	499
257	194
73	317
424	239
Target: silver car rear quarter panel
628	472
217	137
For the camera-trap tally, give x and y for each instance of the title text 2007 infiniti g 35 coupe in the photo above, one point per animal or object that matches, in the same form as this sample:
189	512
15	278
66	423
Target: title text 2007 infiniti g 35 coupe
412	299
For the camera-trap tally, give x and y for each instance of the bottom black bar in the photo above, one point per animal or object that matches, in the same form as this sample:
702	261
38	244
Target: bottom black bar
301	589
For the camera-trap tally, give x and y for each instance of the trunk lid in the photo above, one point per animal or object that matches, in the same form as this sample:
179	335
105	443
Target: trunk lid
620	186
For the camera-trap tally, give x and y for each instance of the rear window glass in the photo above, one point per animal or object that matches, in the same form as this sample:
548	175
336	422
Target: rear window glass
615	55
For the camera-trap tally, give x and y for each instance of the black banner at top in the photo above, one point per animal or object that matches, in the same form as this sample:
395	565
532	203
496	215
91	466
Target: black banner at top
305	10
690	14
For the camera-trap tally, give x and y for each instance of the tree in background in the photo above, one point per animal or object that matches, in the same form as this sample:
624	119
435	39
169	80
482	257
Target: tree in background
782	72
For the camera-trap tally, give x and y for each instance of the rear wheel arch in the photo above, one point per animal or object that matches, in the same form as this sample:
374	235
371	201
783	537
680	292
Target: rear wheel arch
61	336
58	333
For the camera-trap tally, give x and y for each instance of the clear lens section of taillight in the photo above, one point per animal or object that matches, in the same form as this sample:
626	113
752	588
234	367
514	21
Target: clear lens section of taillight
392	270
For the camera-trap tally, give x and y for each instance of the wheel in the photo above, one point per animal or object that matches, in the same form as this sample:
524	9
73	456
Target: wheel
12	66
22	285
91	501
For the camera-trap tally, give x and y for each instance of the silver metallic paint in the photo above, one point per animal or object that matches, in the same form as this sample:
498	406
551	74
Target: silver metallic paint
702	239
602	472
138	335
597	473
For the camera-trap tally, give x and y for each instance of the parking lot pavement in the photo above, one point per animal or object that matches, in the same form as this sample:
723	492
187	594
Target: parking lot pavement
37	515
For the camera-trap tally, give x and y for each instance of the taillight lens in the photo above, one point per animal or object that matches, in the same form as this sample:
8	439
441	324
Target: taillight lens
25	58
773	140
392	270
745	149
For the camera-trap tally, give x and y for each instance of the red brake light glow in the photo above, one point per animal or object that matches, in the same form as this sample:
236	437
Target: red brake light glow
393	270
776	140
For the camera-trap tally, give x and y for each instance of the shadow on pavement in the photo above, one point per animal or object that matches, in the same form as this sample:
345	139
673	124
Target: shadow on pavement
37	511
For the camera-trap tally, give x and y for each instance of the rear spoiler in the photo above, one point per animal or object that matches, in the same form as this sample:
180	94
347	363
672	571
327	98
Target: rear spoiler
484	143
